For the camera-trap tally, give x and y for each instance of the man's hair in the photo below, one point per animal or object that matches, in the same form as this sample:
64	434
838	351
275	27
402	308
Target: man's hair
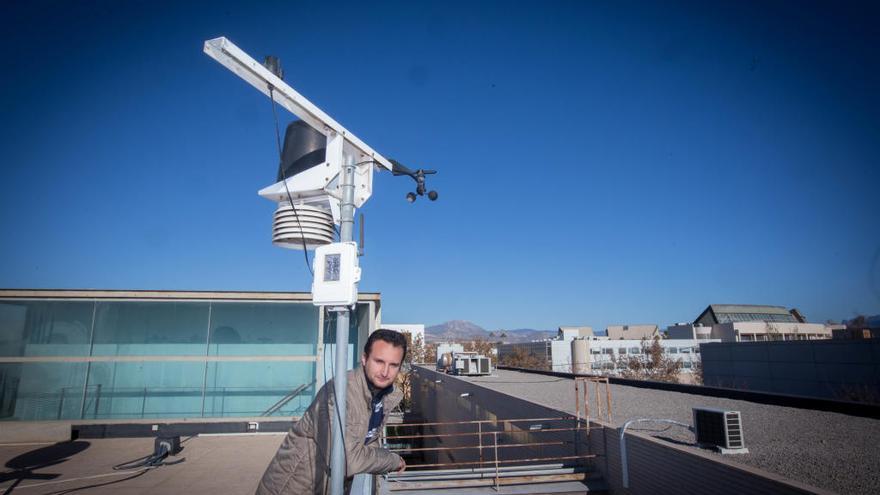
392	337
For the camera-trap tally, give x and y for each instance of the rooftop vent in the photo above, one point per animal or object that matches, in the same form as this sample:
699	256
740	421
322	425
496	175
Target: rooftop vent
719	429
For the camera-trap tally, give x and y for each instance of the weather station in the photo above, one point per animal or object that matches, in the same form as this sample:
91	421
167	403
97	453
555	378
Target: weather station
325	172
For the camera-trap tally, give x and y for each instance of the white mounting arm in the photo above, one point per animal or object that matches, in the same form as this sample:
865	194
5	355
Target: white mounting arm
236	60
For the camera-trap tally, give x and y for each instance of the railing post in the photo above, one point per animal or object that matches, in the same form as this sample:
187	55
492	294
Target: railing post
480	434
144	403
587	401
608	399
495	436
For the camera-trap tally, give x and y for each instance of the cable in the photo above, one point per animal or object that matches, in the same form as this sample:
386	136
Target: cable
284	180
68	490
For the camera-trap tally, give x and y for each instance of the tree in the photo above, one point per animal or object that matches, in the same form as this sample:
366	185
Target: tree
857	323
520	358
417	349
652	364
417	353
480	346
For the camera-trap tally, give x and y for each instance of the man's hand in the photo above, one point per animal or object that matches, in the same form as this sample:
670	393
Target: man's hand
402	466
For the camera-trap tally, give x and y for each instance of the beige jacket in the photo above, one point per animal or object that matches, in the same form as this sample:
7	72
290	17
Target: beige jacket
302	463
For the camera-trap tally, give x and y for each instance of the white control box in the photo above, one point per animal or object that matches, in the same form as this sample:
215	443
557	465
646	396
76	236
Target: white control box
336	275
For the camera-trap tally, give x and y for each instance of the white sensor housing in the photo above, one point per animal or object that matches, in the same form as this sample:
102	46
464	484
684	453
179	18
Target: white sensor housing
336	274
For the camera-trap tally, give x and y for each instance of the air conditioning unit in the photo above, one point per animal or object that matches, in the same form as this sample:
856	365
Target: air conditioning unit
470	364
719	429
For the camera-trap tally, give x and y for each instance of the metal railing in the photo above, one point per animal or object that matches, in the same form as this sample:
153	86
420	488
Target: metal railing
489	466
584	382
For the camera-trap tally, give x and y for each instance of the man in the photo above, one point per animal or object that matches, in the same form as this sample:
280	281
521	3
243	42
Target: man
302	463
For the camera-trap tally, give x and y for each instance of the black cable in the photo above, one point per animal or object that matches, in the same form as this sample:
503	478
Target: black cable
277	130
302	235
134	463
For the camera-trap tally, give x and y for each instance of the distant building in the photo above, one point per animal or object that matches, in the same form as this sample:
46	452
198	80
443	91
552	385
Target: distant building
554	354
569	333
602	353
716	314
632	332
415	331
606	356
748	323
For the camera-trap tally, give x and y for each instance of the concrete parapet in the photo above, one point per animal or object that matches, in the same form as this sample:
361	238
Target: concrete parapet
34	431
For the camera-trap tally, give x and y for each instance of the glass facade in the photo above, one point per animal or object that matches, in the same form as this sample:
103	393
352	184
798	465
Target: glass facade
164	358
771	317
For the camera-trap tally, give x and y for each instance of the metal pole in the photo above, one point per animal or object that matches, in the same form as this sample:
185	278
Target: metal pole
495	441
337	453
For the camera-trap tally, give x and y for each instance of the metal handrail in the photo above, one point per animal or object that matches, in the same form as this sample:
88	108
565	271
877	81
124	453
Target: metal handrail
287	398
442	435
466	447
507	461
483	421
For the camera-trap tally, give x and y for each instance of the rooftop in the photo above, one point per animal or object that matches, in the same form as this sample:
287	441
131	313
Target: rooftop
214	464
824	449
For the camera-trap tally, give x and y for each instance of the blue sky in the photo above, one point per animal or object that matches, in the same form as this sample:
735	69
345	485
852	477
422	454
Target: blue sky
599	162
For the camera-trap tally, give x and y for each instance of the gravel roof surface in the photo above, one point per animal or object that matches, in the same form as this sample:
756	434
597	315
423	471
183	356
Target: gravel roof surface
824	449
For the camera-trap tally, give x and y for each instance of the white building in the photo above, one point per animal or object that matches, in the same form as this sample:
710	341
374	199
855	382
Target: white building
569	333
603	354
606	356
748	323
632	332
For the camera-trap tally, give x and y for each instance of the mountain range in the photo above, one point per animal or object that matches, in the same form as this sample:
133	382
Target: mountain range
465	331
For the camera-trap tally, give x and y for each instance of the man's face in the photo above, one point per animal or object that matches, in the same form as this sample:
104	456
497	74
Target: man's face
383	363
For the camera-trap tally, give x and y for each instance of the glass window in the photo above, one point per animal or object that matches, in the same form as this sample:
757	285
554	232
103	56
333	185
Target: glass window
672	350
594	351
45	328
607	350
261	329
622	350
686	365
685	350
41	391
244	389
595	366
151	328
635	350
164	389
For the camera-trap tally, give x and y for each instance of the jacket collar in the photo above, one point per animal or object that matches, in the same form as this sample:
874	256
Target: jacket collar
389	400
